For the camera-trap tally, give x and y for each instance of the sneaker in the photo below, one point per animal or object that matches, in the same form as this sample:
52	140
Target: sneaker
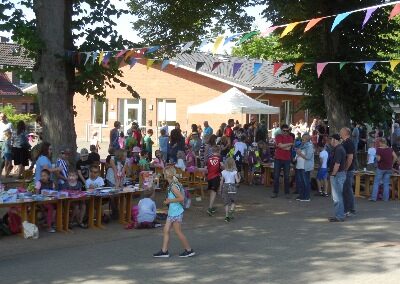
227	219
334	219
213	210
52	230
321	193
83	226
298	198
305	200
325	195
187	253
274	195
371	199
210	212
157	225
161	254
230	214
350	214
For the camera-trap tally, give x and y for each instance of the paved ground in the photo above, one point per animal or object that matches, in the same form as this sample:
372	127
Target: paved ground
270	241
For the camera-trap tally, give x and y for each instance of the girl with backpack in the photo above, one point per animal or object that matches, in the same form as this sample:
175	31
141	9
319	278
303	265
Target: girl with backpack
174	201
229	179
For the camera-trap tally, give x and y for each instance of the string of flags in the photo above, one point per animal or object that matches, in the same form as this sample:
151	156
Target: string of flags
241	37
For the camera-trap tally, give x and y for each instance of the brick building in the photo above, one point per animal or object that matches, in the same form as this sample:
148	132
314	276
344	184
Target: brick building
11	85
165	95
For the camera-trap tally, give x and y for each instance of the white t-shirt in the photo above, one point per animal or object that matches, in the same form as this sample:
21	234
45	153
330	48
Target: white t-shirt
323	155
98	182
240	146
229	177
4	127
300	161
371	155
147	210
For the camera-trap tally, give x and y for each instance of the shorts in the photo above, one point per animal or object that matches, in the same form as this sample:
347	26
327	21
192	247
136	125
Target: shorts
229	193
173	219
322	174
213	184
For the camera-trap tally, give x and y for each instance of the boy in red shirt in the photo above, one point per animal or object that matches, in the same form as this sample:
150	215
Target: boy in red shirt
213	176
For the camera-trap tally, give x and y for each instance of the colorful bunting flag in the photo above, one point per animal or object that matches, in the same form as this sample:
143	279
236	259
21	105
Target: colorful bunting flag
165	63
368	66
256	68
277	66
395	11
297	67
152	49
187	46
199	65
268	31
107	57
246	37
150	62
128	54
288	29
393	64
132	62
236	67
203	43
368	15
230	38
87	57
94	57
321	67
384	86
369	88
312	23
342	64
338	19
101	57
217	43
215	65
377	87
122	52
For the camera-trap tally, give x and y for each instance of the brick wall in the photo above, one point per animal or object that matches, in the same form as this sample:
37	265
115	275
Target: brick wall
188	88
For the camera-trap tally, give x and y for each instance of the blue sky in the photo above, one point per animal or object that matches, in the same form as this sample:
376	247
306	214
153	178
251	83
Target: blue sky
127	32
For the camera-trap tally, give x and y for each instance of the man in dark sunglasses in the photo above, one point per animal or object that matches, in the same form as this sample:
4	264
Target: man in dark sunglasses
283	147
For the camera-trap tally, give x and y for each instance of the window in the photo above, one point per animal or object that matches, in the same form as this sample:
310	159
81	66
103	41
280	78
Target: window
265	117
166	111
24	108
99	112
32	108
286	112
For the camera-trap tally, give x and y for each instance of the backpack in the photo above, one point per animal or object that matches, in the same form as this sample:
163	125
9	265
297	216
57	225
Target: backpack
13	220
187	201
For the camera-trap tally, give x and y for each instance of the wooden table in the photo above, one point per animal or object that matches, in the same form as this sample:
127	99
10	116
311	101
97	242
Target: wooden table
67	207
369	177
267	169
59	210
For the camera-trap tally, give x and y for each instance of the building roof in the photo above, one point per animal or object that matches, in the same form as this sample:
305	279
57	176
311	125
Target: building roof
7	88
12	54
244	78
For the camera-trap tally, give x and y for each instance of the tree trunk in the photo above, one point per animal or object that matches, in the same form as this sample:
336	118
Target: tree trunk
54	75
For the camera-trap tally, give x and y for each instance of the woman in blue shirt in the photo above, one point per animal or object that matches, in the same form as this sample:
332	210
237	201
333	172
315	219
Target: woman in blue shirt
44	161
174	201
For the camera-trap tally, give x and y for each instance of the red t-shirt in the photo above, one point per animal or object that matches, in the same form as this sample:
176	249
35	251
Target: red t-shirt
386	161
281	154
228	131
213	167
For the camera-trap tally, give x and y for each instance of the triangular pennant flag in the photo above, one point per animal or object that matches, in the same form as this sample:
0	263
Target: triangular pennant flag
297	67
149	63
338	19
230	38
94	57
312	23
393	64
106	58
256	67
368	15
199	65
132	62
369	88
395	11
215	65
152	49
321	67
368	66
236	67
246	37
87	57
268	31
384	86
289	28
277	66
217	43
203	43
101	57
120	53
377	87
165	63
129	53
342	64
187	46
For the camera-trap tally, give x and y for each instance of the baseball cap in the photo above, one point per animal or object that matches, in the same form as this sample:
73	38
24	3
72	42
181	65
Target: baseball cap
335	136
84	152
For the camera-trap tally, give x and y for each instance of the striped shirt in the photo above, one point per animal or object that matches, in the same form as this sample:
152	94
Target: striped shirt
64	172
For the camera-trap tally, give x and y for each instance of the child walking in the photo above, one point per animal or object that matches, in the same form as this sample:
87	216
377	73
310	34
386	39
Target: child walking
229	179
174	201
213	177
322	175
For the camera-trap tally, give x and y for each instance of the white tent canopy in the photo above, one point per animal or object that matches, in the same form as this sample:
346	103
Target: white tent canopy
233	101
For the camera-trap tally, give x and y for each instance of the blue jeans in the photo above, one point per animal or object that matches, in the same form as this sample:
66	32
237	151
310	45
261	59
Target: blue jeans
337	183
307	186
300	181
278	165
348	195
385	176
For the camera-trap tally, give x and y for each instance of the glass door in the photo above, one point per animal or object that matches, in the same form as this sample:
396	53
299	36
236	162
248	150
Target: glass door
132	111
